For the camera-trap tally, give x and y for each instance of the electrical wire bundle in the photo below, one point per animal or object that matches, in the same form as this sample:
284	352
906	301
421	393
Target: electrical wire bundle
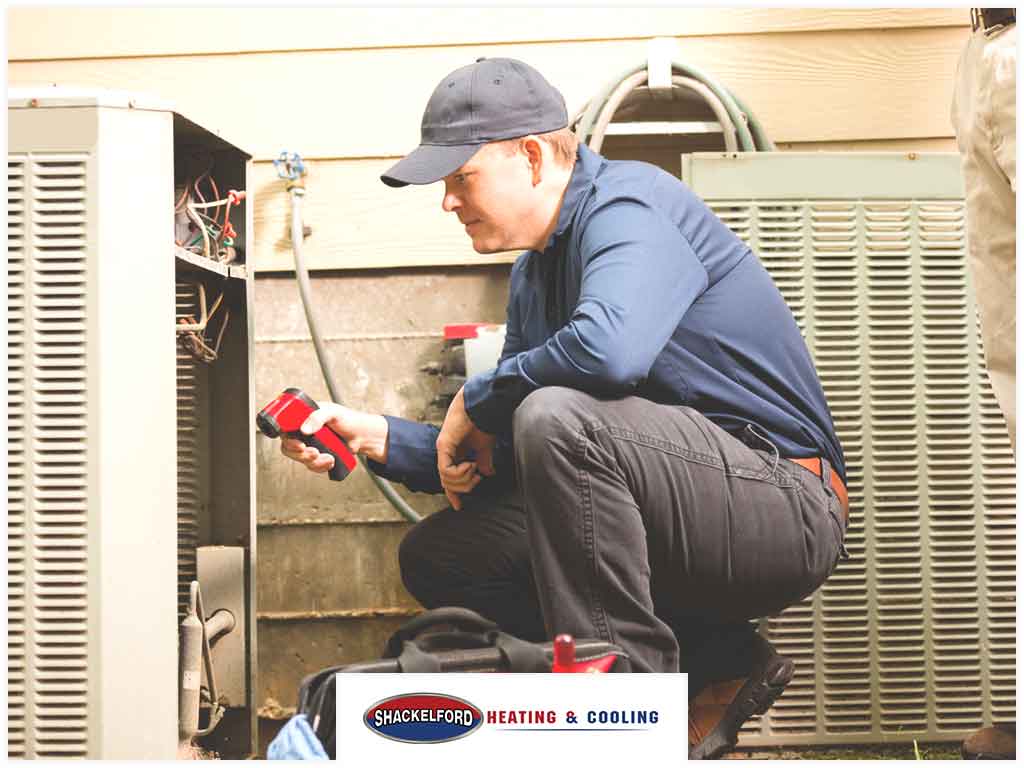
206	231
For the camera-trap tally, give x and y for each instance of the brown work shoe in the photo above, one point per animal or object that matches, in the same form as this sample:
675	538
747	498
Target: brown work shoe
708	707
998	742
719	710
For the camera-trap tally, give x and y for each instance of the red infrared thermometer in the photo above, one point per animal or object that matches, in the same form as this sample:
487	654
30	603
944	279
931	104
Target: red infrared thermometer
286	413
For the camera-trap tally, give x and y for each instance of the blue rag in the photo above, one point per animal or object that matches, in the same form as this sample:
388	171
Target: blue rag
296	741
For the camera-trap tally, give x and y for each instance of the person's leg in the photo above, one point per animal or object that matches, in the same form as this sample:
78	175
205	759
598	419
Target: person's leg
985	122
482	563
641	516
475	558
714	651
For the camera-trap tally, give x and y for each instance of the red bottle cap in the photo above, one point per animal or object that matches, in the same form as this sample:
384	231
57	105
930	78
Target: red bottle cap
565	654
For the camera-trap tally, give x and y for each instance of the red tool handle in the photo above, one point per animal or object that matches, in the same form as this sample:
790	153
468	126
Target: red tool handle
286	413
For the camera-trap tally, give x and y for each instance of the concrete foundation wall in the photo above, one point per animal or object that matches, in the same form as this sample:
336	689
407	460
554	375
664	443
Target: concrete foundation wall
329	590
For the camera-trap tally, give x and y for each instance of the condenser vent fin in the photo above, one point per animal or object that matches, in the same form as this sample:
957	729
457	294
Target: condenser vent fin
59	545
835	341
999	560
17	472
954	567
189	482
900	528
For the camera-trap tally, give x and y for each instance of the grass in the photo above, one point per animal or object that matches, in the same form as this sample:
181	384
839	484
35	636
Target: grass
915	751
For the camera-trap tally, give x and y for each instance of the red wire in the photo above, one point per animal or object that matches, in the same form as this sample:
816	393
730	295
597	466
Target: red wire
227	215
234	198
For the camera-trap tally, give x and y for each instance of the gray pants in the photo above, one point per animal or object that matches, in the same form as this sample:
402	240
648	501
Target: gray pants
641	524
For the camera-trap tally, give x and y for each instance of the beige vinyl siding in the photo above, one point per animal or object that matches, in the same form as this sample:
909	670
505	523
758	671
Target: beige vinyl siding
346	89
803	86
75	33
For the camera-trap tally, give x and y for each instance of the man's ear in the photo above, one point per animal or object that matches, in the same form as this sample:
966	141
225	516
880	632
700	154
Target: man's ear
535	157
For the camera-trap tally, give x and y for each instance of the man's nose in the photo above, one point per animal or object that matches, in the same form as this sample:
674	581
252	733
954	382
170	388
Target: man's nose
450	202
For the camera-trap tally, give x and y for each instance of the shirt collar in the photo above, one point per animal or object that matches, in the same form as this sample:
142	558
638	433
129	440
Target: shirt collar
588	163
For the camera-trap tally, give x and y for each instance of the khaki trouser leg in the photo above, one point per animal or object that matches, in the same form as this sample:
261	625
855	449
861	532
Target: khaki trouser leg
984	118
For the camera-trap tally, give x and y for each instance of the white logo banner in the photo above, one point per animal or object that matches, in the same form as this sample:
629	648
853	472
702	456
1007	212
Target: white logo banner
505	719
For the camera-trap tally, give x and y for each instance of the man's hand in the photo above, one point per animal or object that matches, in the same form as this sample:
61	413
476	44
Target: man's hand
365	433
458	437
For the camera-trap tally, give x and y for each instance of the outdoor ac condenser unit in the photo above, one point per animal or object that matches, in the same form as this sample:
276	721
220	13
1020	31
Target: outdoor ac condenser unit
129	463
914	637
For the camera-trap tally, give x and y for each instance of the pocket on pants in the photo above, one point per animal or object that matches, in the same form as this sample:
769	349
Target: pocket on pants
824	507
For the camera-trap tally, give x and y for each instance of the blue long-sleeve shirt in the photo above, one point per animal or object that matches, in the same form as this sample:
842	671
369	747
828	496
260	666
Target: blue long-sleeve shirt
641	290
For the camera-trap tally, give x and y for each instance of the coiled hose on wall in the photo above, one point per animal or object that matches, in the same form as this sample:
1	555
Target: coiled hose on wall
740	128
734	116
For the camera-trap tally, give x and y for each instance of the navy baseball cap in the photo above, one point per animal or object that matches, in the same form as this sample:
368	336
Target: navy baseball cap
489	100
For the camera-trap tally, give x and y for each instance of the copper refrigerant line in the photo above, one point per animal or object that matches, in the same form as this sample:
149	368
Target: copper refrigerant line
191	333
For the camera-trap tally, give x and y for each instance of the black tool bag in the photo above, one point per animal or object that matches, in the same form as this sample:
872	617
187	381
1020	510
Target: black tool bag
441	640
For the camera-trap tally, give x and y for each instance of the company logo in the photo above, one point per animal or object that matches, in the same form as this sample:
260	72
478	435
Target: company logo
423	718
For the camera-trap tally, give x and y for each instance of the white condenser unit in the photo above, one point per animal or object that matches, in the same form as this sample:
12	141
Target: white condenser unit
914	637
129	458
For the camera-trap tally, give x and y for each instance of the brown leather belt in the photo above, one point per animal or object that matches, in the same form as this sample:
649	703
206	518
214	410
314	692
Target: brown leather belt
834	480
